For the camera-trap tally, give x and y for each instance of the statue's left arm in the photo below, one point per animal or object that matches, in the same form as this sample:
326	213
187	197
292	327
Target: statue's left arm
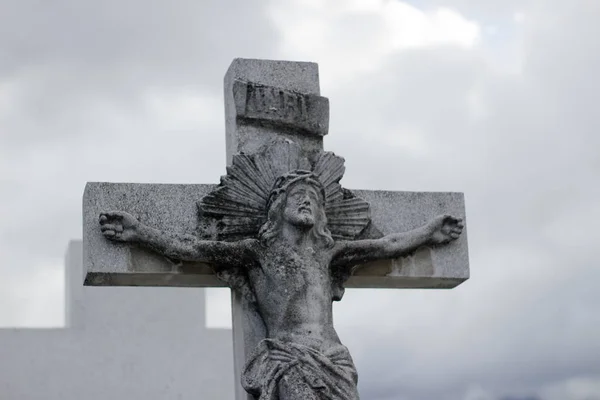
440	230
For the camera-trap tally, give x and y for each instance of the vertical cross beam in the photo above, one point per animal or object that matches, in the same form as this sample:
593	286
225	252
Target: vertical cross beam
260	105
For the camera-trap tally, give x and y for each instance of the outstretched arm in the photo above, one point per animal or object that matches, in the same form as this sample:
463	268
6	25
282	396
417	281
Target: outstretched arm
440	230
120	226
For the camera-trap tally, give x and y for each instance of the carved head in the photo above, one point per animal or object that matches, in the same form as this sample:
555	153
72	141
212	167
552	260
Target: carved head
297	198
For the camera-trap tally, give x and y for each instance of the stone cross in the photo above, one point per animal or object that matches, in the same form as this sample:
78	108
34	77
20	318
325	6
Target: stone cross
279	230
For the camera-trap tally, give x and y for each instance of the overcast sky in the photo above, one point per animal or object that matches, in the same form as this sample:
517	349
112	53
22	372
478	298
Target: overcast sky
494	98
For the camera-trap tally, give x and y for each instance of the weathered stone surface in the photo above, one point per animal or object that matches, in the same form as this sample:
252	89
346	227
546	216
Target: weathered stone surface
168	207
439	267
300	77
284	110
173	208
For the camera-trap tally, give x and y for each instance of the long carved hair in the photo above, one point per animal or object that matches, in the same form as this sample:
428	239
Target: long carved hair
276	204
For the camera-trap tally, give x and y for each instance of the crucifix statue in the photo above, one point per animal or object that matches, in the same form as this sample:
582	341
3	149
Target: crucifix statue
281	232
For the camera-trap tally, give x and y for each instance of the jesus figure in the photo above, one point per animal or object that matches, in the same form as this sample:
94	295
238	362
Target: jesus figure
289	268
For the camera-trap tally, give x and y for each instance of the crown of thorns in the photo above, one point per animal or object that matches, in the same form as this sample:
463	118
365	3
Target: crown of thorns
284	182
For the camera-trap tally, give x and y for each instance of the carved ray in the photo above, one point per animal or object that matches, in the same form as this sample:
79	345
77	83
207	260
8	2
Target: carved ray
215	207
239	226
330	170
347	218
243	176
255	171
265	171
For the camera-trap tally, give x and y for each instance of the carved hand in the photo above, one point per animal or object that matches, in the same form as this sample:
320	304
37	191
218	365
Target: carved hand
119	226
444	229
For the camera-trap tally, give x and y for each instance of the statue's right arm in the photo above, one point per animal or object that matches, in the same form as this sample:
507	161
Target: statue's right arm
120	226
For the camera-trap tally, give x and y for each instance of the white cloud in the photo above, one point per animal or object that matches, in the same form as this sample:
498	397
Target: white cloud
351	36
519	17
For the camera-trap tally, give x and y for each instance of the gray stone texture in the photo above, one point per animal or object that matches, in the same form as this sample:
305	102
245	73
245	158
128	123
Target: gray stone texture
441	267
270	107
167	207
301	77
173	208
119	344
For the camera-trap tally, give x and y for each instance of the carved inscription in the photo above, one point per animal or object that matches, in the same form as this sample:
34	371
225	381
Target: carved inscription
268	105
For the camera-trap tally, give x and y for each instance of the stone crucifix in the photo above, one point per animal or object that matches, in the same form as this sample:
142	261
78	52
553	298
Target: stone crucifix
280	231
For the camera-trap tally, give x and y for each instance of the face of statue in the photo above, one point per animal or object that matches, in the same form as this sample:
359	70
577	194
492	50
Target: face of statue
302	205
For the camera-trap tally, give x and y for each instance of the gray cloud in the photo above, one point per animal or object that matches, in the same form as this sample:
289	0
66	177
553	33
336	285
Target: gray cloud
71	59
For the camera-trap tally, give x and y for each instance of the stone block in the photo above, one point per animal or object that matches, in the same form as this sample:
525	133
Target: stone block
174	208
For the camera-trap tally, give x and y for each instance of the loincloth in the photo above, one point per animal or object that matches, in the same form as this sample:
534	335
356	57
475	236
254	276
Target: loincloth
300	371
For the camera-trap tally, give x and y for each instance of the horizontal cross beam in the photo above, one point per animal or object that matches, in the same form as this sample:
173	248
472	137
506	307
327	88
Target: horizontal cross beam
173	208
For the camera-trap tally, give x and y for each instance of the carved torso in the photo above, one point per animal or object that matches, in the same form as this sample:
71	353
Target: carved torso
293	291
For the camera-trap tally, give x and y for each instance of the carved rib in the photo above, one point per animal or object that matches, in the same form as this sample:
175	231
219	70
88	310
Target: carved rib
238	226
241	194
221	210
346	219
255	176
356	225
231	199
243	179
265	171
352	205
330	170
